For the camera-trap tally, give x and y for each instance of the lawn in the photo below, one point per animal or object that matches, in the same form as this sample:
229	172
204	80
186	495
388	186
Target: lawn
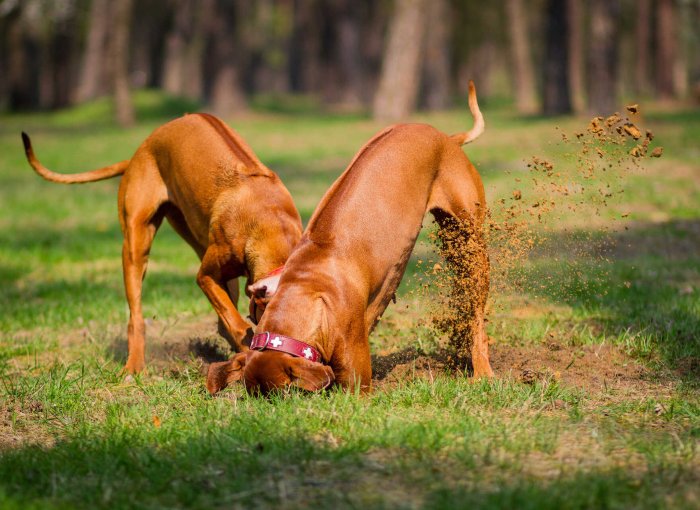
595	339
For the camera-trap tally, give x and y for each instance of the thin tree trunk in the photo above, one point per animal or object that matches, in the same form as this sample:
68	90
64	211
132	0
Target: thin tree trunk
374	22
642	47
304	50
124	108
480	67
92	82
556	99
184	50
23	55
348	53
273	45
684	34
576	55
398	85
175	44
603	58
665	49
436	71
227	95
194	54
522	76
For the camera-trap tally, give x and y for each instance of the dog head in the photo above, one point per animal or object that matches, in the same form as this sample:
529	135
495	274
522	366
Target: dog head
263	372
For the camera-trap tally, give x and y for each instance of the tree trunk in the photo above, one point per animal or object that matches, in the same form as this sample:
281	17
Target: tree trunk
184	50
93	75
348	53
227	95
119	46
681	69
555	86
398	85
603	57
480	67
194	53
271	31
175	43
374	22
642	47
665	48
23	54
522	77
576	55
436	71
305	48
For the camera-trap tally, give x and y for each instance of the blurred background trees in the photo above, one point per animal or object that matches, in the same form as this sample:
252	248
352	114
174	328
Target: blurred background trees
387	57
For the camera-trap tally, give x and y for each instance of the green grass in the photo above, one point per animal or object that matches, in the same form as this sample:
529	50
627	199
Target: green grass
73	434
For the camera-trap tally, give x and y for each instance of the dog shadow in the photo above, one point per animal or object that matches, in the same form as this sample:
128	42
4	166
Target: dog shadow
207	349
212	349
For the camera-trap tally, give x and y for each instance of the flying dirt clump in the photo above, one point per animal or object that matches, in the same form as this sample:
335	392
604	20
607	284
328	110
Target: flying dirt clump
572	187
462	285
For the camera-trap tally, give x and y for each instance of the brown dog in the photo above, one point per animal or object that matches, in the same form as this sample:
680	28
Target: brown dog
342	275
234	212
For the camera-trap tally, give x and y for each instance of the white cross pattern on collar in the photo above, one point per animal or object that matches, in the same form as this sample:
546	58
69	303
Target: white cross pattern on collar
276	342
308	354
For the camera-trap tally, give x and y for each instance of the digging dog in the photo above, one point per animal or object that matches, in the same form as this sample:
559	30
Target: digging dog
235	213
351	258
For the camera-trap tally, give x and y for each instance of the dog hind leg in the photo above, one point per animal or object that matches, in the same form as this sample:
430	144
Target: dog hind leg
140	216
458	207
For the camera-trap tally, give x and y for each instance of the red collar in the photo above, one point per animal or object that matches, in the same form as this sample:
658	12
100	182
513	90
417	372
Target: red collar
275	342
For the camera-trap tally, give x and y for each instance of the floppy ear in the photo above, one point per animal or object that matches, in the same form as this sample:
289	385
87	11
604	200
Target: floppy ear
309	375
266	287
223	373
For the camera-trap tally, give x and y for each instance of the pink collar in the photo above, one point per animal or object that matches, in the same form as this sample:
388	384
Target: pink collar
282	343
274	272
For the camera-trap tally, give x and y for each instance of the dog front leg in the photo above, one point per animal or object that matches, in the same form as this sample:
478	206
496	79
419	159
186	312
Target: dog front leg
210	280
234	294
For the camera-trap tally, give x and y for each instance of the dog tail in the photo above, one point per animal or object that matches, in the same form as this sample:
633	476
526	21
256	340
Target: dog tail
474	132
90	176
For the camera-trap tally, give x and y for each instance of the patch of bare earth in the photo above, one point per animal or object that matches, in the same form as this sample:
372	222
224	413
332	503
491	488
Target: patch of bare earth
598	369
22	424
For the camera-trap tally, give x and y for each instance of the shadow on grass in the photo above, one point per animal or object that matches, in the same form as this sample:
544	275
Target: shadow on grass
234	465
207	349
646	293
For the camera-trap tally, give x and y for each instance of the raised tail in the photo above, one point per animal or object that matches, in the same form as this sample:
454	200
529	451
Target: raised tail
90	176
474	132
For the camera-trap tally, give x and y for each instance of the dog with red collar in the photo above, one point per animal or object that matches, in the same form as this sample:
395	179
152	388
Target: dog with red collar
343	273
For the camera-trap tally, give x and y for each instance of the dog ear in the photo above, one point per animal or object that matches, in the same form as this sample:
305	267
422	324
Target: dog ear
266	287
223	373
259	292
309	375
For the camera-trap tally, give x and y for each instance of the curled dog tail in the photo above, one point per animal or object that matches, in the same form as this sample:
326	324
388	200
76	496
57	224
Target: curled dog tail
474	132
90	176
